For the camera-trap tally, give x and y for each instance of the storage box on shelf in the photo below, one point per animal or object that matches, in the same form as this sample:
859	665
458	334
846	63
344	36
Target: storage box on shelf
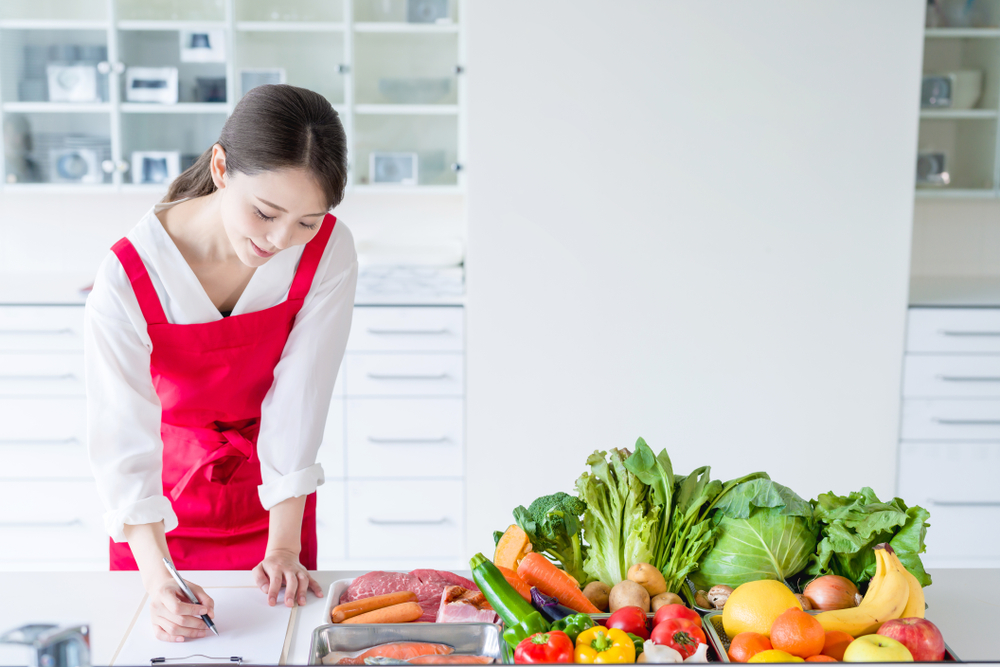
950	431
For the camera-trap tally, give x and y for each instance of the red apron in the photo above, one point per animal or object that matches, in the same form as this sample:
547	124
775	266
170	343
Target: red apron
211	379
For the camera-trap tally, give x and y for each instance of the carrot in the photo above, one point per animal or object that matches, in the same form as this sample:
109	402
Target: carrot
536	570
517	582
397	613
348	610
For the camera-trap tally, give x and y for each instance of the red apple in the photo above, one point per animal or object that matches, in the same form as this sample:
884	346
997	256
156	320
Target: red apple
676	611
917	634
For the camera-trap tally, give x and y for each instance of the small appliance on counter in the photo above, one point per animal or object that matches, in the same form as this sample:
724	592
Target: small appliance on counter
51	645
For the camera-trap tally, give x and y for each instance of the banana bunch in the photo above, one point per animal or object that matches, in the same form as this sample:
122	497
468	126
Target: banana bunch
892	593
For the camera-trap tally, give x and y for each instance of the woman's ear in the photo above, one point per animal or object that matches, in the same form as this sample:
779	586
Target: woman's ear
217	165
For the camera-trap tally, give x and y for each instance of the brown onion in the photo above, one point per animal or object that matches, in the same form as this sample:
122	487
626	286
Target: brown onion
831	591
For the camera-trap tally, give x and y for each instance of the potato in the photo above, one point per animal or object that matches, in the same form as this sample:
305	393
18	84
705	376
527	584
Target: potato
649	578
597	592
627	593
663	599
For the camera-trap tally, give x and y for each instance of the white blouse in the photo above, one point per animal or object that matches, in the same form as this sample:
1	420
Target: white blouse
123	411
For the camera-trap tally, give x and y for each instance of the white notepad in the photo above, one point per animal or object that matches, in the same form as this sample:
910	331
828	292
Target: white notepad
248	628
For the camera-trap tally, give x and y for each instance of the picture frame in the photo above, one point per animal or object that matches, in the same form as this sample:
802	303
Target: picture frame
393	168
151	84
203	46
155	167
72	83
74	165
251	77
427	11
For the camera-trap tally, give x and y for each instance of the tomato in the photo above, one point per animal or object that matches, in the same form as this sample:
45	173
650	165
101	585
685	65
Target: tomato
629	619
676	611
544	648
679	634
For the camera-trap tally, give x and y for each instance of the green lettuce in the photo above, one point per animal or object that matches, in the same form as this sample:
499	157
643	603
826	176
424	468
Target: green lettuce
763	530
851	525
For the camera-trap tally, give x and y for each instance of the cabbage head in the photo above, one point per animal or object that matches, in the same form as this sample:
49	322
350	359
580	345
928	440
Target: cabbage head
763	530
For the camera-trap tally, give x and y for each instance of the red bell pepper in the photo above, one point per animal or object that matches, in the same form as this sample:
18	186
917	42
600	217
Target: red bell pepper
544	648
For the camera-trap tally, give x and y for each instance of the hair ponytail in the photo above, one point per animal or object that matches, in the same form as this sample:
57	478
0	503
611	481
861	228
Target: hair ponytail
276	127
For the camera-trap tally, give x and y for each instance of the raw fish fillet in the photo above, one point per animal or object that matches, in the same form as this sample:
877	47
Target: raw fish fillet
460	605
451	660
399	651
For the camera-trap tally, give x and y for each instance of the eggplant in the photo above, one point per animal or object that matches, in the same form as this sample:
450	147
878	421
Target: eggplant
549	606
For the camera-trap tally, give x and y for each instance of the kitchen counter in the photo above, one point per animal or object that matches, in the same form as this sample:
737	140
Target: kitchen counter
963	604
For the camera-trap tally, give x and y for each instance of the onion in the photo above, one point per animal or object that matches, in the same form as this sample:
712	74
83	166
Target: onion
831	591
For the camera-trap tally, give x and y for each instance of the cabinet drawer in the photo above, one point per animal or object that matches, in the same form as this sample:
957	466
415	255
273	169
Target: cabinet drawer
331	452
391	329
331	531
51	520
436	374
405	519
953	330
41	374
952	375
50	328
405	437
43	420
954	419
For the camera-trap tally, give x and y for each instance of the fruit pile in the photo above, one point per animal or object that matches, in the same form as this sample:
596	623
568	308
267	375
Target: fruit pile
766	623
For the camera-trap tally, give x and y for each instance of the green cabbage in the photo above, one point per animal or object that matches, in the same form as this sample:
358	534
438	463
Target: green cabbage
763	531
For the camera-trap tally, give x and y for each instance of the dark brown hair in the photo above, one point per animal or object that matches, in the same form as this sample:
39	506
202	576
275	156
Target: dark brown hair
276	127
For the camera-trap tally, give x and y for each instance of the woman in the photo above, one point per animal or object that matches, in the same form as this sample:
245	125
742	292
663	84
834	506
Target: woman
214	333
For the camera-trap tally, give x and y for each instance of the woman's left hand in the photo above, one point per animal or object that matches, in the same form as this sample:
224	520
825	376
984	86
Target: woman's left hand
282	566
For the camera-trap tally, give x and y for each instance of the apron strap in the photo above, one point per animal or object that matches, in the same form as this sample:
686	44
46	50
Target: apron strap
309	262
145	293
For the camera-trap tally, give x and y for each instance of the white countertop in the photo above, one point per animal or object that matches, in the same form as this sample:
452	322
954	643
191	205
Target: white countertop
962	603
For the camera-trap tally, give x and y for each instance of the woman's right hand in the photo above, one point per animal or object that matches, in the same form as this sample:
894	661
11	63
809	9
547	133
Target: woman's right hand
174	618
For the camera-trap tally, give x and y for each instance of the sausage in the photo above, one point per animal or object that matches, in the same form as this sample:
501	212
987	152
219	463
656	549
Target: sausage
397	613
341	613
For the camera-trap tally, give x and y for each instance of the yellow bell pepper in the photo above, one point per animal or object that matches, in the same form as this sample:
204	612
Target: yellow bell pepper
600	645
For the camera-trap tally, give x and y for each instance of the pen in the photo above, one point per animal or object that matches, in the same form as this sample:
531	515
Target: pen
188	593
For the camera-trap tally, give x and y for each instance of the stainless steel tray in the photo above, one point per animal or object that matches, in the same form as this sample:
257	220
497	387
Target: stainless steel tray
467	638
715	632
715	653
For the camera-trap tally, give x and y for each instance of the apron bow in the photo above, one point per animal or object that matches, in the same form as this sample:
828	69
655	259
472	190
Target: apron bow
227	449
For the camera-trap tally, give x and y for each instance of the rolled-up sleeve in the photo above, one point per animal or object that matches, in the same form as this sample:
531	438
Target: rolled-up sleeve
123	411
294	411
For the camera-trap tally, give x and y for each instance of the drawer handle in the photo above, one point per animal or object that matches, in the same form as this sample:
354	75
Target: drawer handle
965	503
968	378
36	332
970	334
64	441
407	441
381	376
968	422
407	522
41	524
36	378
407	332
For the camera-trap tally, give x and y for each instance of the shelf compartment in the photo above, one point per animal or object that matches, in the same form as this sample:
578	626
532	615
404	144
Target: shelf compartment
161	48
289	26
969	147
395	12
188	134
58	149
175	10
967	54
182	107
433	138
54	11
161	25
27	55
56	107
406	69
290	11
412	28
310	60
406	109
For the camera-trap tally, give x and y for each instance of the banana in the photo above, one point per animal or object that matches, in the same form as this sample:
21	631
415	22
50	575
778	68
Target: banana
886	599
915	601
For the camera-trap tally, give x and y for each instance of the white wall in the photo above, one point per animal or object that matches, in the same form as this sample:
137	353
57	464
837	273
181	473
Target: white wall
689	221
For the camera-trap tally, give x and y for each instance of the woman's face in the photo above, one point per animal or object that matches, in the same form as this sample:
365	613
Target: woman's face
268	212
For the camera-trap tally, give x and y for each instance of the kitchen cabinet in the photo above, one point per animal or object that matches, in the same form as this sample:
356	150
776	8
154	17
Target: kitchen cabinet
393	73
393	449
949	452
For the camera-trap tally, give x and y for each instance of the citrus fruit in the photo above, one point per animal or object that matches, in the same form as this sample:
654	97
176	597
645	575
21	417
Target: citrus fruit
836	643
746	645
820	658
753	606
774	655
798	633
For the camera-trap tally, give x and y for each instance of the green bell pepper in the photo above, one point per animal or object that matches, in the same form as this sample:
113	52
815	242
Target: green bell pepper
639	643
521	619
573	625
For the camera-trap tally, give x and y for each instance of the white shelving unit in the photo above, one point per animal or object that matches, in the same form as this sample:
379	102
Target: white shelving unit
398	86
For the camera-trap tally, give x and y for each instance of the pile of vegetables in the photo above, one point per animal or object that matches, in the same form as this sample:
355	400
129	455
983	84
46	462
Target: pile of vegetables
630	508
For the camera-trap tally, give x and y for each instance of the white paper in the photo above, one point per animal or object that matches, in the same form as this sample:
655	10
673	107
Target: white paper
247	627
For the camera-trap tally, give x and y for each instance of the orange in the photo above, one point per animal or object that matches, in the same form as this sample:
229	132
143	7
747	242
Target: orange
798	633
836	643
753	606
746	645
775	656
821	658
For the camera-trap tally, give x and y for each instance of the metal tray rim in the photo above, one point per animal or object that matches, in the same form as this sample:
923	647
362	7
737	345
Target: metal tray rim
315	659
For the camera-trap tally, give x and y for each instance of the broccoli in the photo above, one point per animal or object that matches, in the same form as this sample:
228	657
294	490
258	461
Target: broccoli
554	527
